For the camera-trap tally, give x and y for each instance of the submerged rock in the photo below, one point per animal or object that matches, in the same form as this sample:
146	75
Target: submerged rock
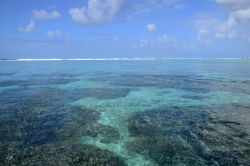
40	128
190	83
57	75
7	73
64	155
90	155
102	93
189	136
37	81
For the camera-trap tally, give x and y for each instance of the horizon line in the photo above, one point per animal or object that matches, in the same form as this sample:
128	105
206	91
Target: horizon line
114	59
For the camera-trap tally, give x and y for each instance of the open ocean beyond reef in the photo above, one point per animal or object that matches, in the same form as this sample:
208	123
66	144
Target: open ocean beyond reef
115	113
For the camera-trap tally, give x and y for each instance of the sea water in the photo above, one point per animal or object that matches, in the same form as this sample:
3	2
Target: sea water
127	112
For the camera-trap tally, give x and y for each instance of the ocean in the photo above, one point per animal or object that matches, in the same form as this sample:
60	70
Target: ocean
125	112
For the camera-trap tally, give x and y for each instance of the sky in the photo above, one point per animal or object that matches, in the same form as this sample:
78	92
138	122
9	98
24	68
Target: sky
124	28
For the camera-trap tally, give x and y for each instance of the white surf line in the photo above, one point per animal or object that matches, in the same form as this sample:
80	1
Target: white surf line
87	59
120	59
39	59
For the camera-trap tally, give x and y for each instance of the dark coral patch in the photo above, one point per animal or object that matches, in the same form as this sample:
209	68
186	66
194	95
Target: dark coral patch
33	96
37	81
7	73
194	97
190	83
170	81
57	75
90	155
39	127
102	93
189	136
61	154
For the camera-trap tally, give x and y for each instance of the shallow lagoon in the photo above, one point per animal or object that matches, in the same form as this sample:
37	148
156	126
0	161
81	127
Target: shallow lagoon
171	112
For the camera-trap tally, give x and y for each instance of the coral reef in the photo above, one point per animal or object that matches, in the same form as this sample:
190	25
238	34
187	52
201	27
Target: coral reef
39	127
189	136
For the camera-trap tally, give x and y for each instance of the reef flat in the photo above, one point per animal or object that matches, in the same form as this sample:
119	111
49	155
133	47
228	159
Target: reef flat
135	113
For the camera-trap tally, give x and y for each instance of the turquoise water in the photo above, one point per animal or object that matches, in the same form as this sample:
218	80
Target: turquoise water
136	113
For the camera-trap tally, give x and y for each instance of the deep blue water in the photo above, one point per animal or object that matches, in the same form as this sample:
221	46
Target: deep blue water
136	113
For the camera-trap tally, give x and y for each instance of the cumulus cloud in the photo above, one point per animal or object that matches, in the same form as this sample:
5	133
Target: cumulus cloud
151	28
239	16
54	34
227	29
103	11
240	9
29	28
242	14
78	15
234	4
43	14
209	29
162	41
96	11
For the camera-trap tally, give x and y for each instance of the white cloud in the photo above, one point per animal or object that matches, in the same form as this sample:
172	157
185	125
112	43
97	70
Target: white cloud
234	4
151	28
163	41
230	28
96	11
43	14
209	29
103	11
29	28
242	14
240	9
78	15
206	29
227	29
143	43
54	34
139	7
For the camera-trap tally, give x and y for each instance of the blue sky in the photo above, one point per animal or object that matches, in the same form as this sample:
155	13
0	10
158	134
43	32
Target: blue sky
123	28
